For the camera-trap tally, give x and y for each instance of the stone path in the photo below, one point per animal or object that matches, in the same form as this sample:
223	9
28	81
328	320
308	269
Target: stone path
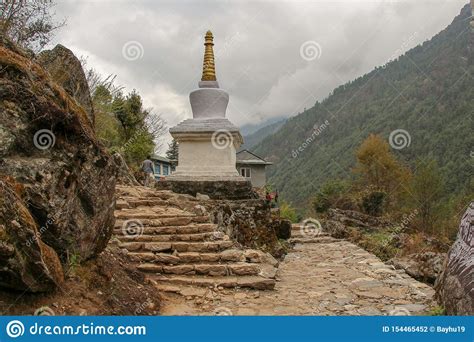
321	276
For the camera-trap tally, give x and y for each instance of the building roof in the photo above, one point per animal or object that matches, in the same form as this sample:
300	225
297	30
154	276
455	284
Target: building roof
160	158
247	157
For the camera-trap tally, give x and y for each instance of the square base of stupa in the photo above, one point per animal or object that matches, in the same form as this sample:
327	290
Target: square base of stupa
207	160
199	157
207	148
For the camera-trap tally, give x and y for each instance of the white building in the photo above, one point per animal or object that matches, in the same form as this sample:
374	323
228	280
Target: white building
252	167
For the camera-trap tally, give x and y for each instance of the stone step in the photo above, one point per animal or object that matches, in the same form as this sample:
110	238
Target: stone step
212	236
170	230
229	255
130	214
176	246
160	221
214	270
323	239
309	235
253	282
144	198
162	197
147	202
294	228
161	258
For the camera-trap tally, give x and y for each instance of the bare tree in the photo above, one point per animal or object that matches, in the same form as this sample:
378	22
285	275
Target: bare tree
157	127
95	80
29	23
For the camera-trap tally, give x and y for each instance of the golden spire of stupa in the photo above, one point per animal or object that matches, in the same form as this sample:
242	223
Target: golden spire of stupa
208	69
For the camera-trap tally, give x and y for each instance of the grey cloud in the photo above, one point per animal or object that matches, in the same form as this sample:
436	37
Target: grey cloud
257	47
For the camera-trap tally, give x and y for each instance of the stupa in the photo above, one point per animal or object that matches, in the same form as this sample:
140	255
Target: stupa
208	142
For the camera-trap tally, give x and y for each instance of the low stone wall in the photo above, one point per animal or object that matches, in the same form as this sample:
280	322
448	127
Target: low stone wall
251	223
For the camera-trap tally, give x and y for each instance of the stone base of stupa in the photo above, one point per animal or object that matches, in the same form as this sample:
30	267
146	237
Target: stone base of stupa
207	155
235	188
207	160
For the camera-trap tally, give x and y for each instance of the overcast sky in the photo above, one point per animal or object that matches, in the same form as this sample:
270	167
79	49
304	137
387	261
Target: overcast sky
275	58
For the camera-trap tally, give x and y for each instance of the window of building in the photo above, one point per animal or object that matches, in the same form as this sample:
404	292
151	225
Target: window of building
165	170
245	172
157	169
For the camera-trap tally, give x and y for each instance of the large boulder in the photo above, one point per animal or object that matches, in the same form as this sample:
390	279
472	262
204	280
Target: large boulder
66	70
336	229
282	228
425	266
25	261
455	285
48	145
249	222
357	219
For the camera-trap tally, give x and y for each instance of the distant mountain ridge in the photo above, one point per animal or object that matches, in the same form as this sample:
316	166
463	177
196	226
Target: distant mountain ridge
428	92
252	139
251	128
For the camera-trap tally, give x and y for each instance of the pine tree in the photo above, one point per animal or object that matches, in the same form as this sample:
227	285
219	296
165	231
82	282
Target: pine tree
173	150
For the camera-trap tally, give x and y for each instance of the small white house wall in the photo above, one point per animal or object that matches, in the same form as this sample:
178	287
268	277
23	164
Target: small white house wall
258	175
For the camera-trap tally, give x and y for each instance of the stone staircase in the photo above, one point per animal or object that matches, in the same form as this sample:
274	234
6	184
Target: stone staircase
170	237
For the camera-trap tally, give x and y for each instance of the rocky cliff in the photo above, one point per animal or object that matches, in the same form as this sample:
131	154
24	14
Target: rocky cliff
66	70
455	286
67	180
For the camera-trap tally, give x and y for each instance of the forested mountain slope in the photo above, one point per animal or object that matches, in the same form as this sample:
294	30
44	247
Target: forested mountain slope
429	92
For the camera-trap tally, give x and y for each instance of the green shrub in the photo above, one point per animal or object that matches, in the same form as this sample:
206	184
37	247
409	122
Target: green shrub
437	311
380	243
331	194
373	202
288	212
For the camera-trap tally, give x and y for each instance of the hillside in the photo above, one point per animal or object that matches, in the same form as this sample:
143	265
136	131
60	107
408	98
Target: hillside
428	92
252	139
